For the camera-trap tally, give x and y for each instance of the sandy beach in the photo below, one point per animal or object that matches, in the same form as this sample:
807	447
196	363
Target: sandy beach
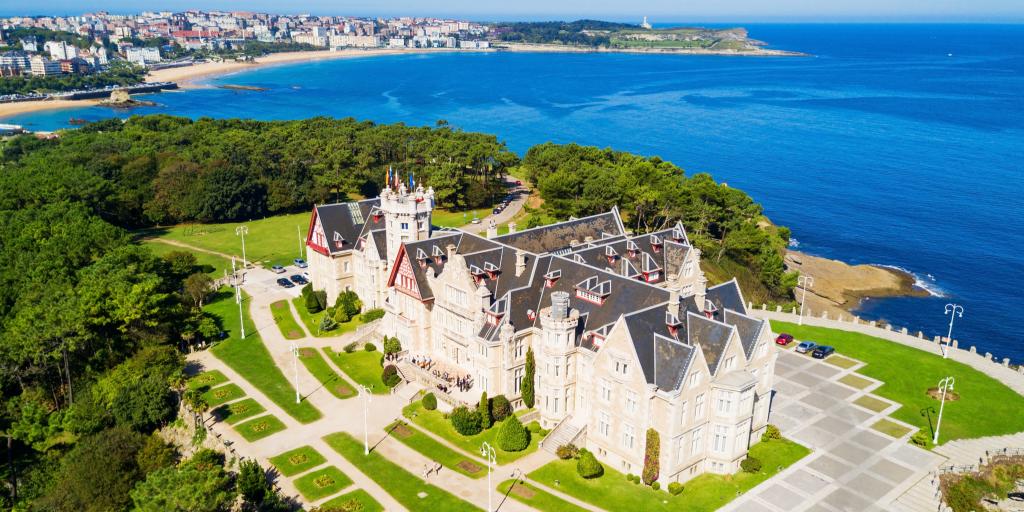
188	76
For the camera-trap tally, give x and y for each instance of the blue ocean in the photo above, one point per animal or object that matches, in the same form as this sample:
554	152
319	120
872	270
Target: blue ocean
892	144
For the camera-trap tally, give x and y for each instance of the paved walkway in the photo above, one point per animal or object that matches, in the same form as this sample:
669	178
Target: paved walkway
852	467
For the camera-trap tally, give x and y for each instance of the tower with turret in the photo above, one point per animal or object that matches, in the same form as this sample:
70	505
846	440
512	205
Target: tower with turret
554	360
407	213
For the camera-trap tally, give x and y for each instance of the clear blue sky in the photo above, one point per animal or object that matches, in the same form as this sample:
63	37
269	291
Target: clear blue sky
657	10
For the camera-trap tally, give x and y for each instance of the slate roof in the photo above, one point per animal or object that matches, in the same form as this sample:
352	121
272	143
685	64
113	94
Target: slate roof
749	329
726	296
632	256
344	220
556	238
711	335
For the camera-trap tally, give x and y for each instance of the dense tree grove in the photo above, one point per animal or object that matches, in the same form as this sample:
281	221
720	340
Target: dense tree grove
579	32
725	223
161	169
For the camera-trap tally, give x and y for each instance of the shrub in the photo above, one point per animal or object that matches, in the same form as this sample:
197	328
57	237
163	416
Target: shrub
920	439
526	387
327	323
351	347
567	451
629	477
349	301
750	464
309	300
652	453
373	314
512	436
321	298
465	421
369	347
636	479
771	432
429	401
341	316
675	488
390	376
587	466
501	408
307	290
656	485
483	408
392	345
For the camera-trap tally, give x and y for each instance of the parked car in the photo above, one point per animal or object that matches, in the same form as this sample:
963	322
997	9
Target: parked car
285	283
784	339
299	280
496	211
475	220
806	346
277	269
301	263
519	182
822	352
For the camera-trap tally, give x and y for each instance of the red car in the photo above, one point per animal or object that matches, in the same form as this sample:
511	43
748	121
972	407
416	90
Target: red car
784	339
519	182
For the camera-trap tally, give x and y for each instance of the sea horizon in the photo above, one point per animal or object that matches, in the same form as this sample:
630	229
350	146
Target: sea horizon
884	148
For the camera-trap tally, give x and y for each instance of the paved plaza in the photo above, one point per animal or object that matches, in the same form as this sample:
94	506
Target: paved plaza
852	467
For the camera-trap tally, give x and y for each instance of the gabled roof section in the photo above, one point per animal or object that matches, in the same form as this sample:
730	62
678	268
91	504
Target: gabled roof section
712	336
748	328
726	296
342	223
556	238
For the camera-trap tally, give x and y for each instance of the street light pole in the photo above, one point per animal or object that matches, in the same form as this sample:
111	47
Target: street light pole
953	310
242	231
944	385
366	412
804	282
238	298
487	451
295	362
298	231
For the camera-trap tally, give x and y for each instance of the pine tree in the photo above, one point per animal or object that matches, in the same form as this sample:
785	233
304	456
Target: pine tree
484	409
651	457
526	388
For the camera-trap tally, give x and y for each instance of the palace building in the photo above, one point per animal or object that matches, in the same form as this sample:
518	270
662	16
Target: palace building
626	334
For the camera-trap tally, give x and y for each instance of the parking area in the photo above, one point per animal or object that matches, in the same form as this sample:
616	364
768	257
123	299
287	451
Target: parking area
260	280
852	467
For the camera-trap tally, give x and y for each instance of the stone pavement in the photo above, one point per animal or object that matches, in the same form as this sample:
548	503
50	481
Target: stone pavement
852	467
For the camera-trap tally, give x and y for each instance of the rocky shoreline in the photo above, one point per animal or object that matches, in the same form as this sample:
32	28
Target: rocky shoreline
839	287
561	48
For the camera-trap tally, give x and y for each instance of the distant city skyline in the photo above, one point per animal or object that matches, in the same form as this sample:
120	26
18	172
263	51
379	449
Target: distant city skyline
663	11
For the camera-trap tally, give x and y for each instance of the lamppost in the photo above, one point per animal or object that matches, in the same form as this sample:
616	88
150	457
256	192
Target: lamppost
295	362
944	385
953	310
367	398
298	231
238	297
804	282
242	231
487	451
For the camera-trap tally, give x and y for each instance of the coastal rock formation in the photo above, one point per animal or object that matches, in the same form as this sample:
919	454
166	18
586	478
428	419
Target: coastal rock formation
839	287
121	99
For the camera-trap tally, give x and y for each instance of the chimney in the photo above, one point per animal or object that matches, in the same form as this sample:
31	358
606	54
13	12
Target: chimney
673	302
559	305
520	262
511	227
492	229
451	251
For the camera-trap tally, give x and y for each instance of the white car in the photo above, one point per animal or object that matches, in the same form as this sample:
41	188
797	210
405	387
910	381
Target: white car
277	269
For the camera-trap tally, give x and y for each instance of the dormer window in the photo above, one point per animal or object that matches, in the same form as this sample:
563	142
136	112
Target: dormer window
632	249
491	269
437	252
339	240
709	308
478	274
609	252
496	312
673	323
594	290
531	314
650	269
421	256
656	243
677	235
551	278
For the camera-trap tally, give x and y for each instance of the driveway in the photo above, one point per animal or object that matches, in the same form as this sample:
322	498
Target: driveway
852	467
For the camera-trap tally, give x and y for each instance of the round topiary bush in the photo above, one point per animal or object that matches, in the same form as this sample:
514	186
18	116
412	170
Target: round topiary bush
429	401
750	464
390	376
587	466
629	477
501	408
567	451
465	421
370	347
513	437
351	347
656	486
675	488
920	439
771	432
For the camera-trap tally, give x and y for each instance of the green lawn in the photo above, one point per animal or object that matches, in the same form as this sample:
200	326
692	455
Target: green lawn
237	411
871	403
536	498
298	460
400	484
359	496
322	483
312	321
855	381
249	357
222	394
362	367
433	450
841	362
271	241
890	428
315	363
986	406
285	320
706	492
435	422
259	428
206	379
446	219
209	263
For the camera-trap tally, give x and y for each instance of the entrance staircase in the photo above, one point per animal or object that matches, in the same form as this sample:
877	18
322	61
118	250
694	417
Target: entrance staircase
566	432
